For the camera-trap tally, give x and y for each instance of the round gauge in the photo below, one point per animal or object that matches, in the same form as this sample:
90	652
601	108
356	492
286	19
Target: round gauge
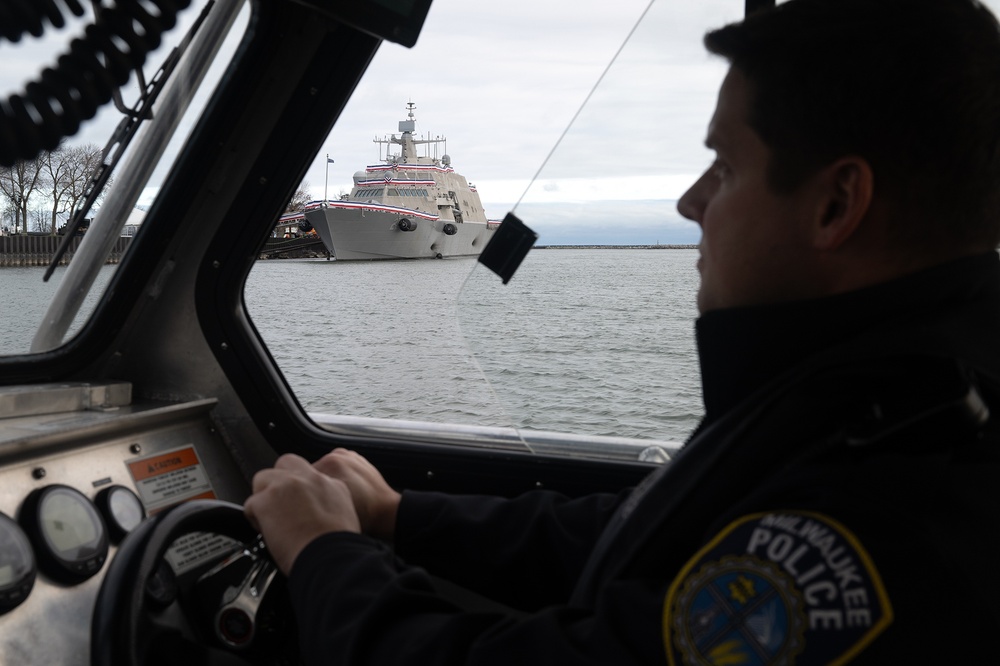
69	536
17	565
121	509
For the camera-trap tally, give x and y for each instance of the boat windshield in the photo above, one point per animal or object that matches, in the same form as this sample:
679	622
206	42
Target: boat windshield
593	334
63	234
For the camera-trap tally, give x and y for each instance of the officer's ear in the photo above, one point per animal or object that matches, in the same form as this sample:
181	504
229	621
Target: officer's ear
845	189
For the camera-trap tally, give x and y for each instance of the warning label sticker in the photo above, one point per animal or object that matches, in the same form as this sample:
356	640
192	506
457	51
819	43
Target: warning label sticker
168	478
192	550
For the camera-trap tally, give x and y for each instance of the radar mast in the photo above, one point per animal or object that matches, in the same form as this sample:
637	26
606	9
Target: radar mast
408	143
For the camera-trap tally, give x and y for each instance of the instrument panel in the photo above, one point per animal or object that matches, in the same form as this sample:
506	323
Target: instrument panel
72	485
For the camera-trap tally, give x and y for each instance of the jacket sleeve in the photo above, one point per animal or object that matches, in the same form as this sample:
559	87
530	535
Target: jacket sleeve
832	580
357	604
526	552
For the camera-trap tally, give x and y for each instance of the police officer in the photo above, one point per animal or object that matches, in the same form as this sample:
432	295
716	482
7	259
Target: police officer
835	503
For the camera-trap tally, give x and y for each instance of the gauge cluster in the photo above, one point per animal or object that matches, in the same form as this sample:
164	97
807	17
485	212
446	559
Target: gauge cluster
69	535
72	486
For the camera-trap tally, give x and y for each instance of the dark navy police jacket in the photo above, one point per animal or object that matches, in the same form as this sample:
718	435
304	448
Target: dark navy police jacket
837	504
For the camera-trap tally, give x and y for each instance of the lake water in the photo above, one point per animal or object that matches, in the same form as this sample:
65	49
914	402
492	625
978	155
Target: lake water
25	300
594	341
583	341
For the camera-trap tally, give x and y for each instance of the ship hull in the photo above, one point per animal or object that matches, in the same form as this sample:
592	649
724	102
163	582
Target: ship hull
360	235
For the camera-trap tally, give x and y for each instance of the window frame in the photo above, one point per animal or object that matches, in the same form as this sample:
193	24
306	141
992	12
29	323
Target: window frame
288	149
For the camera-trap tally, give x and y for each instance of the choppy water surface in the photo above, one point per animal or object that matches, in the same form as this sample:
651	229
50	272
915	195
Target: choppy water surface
26	300
582	341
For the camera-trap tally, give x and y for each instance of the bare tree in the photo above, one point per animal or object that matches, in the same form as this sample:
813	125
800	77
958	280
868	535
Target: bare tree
56	168
7	216
17	185
40	220
62	176
299	199
69	171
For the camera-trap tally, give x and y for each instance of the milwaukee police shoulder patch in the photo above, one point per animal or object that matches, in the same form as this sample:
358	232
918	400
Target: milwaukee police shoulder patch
775	588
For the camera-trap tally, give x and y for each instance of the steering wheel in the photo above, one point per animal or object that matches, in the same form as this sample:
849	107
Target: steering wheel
144	616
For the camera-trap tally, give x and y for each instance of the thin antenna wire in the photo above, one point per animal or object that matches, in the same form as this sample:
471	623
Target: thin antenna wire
584	104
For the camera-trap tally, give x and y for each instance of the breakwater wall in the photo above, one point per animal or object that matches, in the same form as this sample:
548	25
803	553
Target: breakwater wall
39	250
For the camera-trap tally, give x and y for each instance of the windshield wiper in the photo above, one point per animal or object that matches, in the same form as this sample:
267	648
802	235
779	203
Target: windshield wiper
136	170
122	136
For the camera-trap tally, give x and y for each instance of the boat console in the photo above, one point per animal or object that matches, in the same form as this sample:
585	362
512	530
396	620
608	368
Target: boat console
80	466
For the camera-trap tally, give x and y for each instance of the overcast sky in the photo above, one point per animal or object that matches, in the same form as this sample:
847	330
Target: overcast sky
502	81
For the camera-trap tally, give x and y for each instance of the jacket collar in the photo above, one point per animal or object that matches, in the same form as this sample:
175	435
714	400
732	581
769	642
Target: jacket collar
743	349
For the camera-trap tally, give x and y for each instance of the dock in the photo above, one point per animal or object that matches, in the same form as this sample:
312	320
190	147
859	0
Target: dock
305	247
38	250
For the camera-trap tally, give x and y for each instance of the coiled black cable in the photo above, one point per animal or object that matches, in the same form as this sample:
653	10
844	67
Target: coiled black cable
84	79
20	16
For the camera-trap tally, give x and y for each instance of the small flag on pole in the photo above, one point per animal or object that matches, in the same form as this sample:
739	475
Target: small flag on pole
326	180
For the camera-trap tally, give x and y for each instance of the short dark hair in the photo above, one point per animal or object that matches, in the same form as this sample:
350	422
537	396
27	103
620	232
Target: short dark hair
913	86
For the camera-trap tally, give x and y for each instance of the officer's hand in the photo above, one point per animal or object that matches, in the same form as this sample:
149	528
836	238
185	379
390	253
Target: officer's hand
375	502
293	503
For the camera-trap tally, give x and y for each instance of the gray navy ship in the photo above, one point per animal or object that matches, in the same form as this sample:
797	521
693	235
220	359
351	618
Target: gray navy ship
408	207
